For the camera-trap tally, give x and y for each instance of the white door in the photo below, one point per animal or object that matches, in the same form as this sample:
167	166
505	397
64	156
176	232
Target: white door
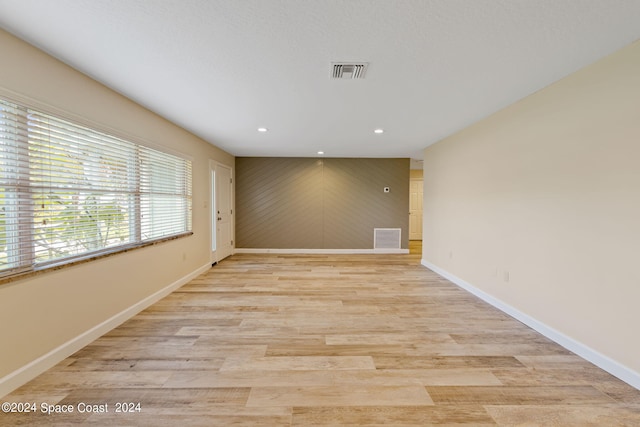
223	212
415	209
214	220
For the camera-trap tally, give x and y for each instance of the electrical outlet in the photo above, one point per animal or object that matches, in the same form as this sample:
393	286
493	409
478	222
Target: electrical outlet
505	276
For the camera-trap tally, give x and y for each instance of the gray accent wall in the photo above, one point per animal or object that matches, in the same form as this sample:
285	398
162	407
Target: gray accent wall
310	203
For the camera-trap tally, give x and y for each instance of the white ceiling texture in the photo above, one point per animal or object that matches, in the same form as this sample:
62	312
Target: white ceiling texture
223	68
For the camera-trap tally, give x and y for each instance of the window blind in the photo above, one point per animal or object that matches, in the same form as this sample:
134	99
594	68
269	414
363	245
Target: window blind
67	191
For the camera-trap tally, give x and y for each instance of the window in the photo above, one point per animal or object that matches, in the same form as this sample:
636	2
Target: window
67	191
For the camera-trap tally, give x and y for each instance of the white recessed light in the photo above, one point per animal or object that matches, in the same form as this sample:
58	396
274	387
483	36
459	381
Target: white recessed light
320	153
262	129
378	131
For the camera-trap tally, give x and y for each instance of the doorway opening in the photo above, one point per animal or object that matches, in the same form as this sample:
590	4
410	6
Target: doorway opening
416	188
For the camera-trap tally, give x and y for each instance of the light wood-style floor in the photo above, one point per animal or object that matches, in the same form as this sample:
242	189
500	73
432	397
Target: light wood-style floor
308	340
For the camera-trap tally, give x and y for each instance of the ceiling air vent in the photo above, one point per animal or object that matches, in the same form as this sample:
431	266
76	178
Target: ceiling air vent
348	70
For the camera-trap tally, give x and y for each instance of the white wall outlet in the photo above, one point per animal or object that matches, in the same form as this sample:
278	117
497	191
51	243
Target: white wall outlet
505	275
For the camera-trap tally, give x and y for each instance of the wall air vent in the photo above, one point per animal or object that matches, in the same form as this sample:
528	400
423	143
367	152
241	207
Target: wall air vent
386	238
348	70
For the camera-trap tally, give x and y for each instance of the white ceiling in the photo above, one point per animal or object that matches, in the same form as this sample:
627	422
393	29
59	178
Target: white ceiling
223	68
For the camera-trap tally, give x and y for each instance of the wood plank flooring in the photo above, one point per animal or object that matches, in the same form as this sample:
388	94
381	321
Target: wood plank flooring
310	340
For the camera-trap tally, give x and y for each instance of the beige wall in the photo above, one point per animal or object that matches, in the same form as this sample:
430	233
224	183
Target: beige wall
41	313
307	203
548	190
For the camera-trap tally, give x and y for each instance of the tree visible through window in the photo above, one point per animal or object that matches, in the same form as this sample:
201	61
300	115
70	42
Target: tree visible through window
68	191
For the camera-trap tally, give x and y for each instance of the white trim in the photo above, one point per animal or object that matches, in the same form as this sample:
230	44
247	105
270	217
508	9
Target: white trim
319	251
34	368
616	369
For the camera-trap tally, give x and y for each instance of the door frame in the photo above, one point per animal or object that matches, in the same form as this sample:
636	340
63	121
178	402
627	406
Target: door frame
420	180
213	203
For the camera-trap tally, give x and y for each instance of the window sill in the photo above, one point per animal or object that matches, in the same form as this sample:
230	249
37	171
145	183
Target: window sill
12	277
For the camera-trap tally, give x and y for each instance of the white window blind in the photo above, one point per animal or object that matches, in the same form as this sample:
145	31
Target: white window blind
67	191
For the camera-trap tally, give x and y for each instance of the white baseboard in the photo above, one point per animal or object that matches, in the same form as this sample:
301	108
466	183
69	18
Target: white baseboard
616	369
319	251
31	370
